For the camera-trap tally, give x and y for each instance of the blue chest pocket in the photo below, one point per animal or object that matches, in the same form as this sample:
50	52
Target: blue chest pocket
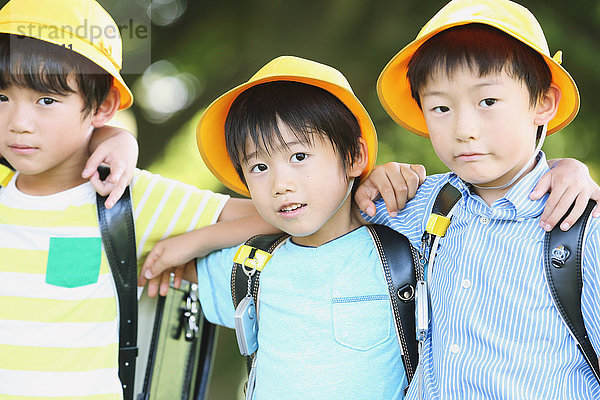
73	262
361	322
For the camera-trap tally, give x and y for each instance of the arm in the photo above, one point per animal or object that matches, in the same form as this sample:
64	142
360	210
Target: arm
395	182
119	150
183	249
568	182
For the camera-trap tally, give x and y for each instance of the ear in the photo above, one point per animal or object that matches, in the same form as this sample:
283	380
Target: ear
361	161
547	106
107	109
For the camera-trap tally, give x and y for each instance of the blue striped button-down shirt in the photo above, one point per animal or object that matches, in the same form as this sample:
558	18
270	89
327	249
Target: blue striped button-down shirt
494	332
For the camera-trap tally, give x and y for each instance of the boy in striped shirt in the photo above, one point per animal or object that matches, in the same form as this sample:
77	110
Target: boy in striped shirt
59	320
479	81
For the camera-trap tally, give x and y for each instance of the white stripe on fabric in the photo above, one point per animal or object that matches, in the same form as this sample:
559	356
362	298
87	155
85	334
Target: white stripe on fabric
36	238
157	213
42	334
140	206
15	284
177	214
198	214
59	384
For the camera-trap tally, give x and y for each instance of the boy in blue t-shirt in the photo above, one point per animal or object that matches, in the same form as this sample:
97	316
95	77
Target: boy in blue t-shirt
480	83
295	138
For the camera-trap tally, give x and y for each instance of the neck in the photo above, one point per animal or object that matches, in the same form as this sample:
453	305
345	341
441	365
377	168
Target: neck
342	222
57	179
490	195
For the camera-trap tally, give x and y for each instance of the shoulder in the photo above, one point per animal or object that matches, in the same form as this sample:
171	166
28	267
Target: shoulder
413	217
147	186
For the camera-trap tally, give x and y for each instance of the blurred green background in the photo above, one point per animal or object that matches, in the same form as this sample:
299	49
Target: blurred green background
199	49
194	50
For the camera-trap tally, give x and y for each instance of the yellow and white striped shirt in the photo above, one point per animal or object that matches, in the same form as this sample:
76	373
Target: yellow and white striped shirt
58	307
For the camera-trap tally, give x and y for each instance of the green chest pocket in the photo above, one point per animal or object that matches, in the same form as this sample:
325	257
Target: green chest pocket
73	262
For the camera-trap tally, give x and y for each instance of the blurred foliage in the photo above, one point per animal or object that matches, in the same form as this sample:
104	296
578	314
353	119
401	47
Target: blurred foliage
223	43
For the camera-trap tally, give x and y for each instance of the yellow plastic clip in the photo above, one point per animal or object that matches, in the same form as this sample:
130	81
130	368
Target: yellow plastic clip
6	175
251	257
437	225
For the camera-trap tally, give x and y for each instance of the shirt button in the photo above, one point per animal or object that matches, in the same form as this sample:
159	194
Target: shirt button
484	220
466	283
454	349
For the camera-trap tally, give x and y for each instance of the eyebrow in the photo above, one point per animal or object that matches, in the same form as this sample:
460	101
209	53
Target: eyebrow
275	149
477	86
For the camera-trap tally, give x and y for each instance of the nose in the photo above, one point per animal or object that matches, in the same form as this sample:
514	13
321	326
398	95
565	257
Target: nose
21	120
281	182
466	128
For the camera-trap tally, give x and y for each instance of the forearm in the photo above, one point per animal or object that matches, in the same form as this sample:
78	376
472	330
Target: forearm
228	233
101	135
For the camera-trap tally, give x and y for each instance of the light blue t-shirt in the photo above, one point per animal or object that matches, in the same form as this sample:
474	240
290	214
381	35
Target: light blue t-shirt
326	326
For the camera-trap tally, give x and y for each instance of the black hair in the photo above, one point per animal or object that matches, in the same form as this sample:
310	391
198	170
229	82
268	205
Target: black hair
46	67
307	110
484	49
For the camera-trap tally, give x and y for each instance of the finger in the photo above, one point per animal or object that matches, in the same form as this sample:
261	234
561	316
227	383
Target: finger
115	194
364	196
554	198
153	287
596	197
559	208
542	187
93	163
165	282
102	187
412	181
153	265
421	171
178	276
578	209
117	169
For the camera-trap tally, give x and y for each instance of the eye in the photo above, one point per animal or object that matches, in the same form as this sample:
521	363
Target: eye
441	109
3	98
298	157
487	102
46	101
258	168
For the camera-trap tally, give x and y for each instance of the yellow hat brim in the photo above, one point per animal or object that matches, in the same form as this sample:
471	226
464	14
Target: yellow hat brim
210	133
87	50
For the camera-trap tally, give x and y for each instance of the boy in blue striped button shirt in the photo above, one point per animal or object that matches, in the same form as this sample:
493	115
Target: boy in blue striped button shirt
479	81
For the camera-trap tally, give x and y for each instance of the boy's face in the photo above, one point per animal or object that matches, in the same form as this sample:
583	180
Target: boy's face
482	128
43	135
299	188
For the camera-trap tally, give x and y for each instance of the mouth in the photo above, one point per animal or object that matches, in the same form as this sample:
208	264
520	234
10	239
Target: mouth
291	208
22	148
469	156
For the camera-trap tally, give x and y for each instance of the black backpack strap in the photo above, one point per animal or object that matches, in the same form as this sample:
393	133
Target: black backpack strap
564	275
398	260
118	238
239	280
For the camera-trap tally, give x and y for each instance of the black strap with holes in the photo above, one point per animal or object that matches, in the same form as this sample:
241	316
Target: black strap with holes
564	275
118	238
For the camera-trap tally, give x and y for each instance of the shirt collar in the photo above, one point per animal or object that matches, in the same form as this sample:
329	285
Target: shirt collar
516	199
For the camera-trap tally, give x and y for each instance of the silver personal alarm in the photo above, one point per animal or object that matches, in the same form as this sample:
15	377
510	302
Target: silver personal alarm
246	326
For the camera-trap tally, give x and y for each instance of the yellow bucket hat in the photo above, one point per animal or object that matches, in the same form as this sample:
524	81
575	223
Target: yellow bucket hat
210	133
393	87
80	25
